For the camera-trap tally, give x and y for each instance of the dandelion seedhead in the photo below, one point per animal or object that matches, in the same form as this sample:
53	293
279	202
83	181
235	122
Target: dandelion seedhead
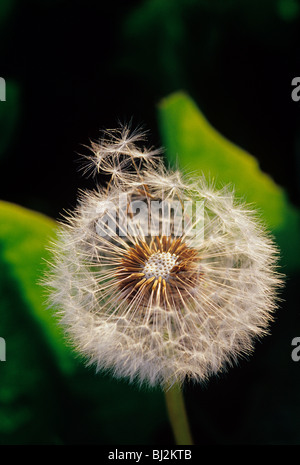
160	277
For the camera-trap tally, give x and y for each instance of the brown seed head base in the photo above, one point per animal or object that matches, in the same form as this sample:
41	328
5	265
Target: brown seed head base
163	272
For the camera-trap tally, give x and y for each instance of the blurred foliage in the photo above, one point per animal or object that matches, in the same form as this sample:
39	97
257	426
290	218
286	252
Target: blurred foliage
46	393
182	36
236	60
194	145
288	9
23	237
253	404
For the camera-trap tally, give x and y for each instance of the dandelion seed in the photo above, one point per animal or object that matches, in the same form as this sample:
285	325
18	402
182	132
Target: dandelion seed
183	302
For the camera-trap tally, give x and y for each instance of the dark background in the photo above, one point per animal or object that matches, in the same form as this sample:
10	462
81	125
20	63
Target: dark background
81	66
75	67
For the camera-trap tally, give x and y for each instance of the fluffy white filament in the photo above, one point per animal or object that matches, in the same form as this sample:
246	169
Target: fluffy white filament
153	309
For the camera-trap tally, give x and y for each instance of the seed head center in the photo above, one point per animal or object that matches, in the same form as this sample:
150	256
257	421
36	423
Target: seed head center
159	264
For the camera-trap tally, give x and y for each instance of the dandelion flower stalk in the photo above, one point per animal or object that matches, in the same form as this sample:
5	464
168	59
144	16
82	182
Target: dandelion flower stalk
178	416
159	277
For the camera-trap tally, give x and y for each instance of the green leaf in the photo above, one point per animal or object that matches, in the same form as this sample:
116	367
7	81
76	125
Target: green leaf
24	236
193	144
30	409
46	394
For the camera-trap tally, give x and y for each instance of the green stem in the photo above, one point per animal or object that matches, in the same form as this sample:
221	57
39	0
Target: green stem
178	416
